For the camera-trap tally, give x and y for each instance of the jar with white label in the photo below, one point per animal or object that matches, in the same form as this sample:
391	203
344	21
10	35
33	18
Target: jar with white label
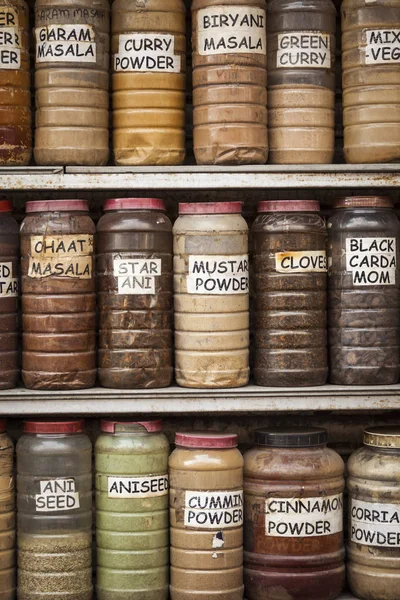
363	297
373	549
301	81
211	285
8	558
132	539
72	82
293	528
58	295
54	499
148	82
229	82
289	294
371	80
206	516
134	274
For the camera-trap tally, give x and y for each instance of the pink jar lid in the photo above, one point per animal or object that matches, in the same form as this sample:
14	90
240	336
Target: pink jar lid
210	208
57	206
54	426
199	439
288	206
135	204
3	425
5	206
150	426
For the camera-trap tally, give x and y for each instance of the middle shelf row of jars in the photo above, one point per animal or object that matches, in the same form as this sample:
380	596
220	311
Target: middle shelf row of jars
146	272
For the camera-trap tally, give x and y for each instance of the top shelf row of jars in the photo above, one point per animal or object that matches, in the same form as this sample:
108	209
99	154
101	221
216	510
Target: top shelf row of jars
232	49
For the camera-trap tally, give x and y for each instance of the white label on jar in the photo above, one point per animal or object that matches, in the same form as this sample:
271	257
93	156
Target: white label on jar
303	517
231	30
61	256
213	510
372	261
137	275
137	487
382	46
8	17
212	275
299	49
57	495
8	283
375	524
10	47
301	262
147	52
65	43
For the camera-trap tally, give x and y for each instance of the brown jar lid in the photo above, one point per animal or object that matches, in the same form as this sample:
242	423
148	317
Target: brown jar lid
5	206
3	425
56	206
363	202
150	426
291	437
288	206
200	439
382	437
54	426
134	204
210	208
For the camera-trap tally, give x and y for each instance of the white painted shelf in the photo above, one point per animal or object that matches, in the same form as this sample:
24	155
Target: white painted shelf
176	400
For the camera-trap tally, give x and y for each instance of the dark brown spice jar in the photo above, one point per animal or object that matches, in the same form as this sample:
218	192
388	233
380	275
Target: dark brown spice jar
364	300
134	264
289	294
58	295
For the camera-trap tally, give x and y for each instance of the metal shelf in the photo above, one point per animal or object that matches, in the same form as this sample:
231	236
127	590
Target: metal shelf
176	400
199	177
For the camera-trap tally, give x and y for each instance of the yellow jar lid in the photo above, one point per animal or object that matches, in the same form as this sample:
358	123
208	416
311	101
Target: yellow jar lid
382	437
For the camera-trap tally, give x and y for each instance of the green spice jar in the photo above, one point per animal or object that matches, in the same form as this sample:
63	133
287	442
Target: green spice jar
7	516
131	462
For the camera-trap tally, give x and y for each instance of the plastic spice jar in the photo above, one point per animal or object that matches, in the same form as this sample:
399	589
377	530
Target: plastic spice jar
206	515
7	517
54	483
229	82
134	274
293	538
9	289
132	511
58	295
371	80
364	300
211	295
374	537
289	294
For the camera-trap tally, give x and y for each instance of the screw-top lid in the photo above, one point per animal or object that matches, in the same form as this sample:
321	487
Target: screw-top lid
3	425
54	426
150	426
210	208
382	437
211	439
291	437
134	204
56	206
288	206
363	202
5	206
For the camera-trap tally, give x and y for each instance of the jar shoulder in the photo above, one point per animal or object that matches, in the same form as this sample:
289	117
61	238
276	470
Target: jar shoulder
364	222
289	464
57	224
289	223
134	222
378	465
210	224
130	444
38	445
205	460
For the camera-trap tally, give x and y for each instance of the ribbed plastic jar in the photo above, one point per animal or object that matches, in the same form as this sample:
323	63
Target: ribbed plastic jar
211	295
9	297
301	81
148	82
15	84
293	532
58	295
289	294
363	297
134	274
8	558
373	549
206	516
229	82
54	483
132	542
371	80
72	82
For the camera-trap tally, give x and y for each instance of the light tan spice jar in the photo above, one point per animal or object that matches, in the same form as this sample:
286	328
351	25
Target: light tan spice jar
7	517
